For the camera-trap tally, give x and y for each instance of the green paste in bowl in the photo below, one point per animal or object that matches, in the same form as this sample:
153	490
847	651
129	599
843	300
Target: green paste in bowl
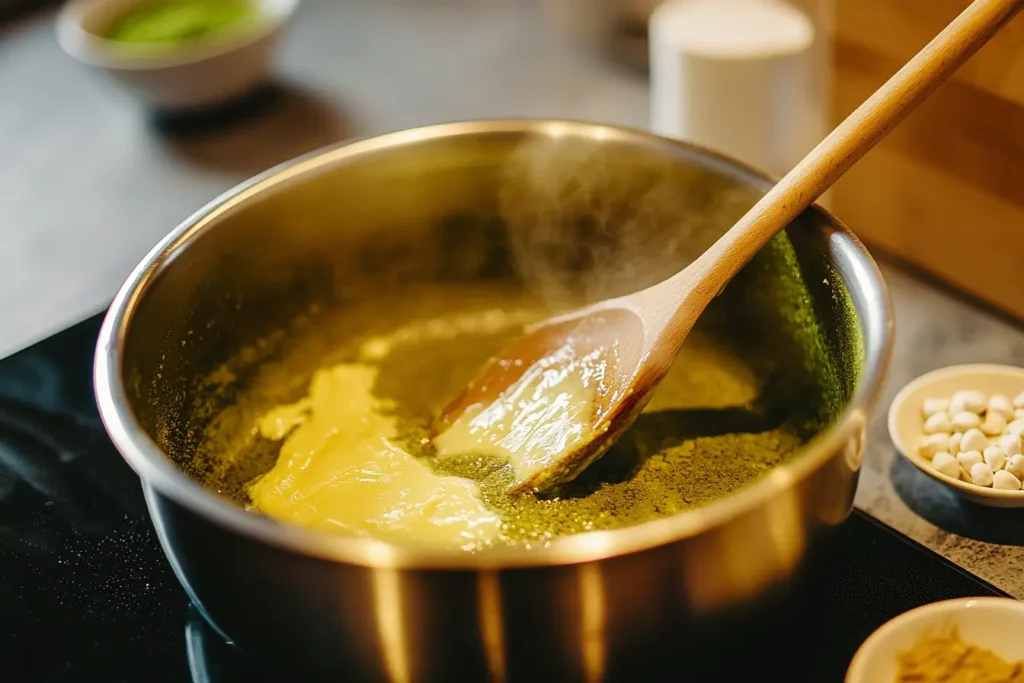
182	21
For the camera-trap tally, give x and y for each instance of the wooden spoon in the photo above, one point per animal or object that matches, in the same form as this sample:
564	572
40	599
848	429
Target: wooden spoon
560	395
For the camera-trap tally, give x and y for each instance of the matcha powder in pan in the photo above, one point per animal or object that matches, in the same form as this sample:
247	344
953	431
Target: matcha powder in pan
618	491
717	423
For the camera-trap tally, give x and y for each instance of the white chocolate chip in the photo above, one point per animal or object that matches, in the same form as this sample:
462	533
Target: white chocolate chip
947	464
954	442
1006	481
932	444
1011	444
969	401
1015	427
969	459
994	424
1015	466
939	422
981	474
974	440
934	405
999	403
965	420
1018	400
995	458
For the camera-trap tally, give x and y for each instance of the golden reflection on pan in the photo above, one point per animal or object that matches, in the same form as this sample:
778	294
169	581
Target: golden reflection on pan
492	628
387	593
592	620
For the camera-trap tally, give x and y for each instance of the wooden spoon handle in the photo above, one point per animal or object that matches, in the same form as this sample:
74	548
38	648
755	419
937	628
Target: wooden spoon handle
861	131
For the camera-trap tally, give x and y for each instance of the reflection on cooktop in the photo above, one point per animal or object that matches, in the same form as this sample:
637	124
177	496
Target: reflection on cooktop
86	593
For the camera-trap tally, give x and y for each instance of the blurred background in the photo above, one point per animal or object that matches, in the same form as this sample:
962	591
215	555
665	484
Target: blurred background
107	143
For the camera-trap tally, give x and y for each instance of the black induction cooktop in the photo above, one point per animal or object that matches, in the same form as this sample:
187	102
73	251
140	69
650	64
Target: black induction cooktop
86	594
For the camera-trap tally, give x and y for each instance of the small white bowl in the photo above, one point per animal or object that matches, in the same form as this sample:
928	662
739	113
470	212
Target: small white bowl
175	77
905	420
995	624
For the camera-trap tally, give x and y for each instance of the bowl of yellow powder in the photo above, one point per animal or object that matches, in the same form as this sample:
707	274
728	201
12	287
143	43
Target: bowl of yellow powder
176	55
969	640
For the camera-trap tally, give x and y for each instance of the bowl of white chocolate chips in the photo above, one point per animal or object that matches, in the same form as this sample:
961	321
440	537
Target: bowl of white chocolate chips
963	426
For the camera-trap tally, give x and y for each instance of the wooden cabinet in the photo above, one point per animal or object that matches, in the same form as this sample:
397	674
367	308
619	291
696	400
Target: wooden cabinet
945	190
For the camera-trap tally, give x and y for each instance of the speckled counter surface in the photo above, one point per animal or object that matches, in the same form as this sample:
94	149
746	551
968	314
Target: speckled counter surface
934	329
88	184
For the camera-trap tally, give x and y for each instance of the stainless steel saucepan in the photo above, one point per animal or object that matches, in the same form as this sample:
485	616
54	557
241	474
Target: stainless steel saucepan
230	314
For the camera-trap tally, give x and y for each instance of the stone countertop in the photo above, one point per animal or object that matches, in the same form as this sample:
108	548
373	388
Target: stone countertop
88	183
935	328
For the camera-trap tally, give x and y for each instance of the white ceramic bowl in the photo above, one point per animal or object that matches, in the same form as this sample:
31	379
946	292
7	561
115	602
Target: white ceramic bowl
175	77
905	421
996	624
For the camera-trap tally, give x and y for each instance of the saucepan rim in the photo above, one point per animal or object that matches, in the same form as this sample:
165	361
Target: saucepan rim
157	470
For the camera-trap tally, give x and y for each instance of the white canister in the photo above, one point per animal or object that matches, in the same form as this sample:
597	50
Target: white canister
736	76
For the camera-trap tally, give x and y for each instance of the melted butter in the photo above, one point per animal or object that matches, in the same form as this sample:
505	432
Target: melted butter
538	420
340	469
490	321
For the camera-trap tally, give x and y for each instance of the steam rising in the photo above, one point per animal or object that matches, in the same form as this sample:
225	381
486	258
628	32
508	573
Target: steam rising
590	220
